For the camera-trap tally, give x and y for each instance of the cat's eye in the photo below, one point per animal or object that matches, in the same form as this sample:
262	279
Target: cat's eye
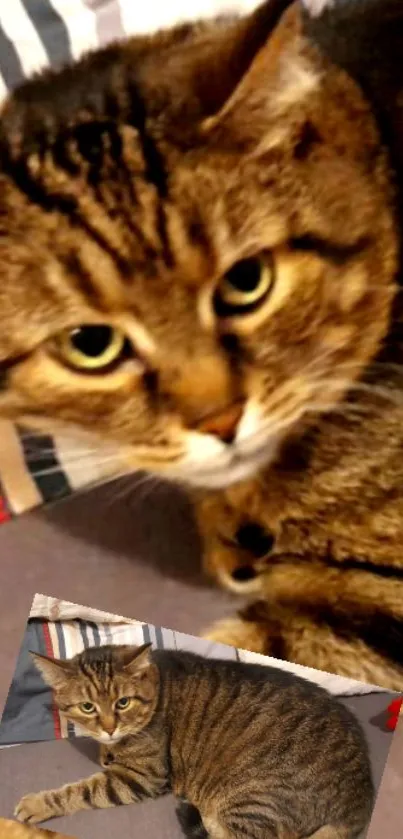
87	707
244	287
92	348
122	703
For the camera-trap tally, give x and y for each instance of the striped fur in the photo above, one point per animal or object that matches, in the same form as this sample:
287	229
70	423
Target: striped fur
251	751
316	543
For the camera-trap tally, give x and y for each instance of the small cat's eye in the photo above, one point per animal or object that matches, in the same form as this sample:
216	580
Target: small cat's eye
87	707
92	348
122	703
244	287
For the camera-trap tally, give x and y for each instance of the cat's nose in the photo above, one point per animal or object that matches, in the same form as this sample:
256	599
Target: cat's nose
222	424
109	726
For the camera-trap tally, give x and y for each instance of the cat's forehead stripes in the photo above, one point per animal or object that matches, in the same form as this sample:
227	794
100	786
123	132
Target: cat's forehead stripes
98	667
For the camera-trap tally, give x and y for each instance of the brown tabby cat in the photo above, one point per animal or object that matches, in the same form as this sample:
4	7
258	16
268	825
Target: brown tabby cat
255	751
13	830
198	258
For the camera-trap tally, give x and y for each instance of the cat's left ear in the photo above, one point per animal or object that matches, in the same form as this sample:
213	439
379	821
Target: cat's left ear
139	659
55	671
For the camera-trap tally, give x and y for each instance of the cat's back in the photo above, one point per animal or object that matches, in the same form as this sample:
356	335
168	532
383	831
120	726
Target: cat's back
249	694
236	726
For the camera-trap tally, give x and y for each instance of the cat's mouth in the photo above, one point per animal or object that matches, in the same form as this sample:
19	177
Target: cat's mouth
228	465
109	739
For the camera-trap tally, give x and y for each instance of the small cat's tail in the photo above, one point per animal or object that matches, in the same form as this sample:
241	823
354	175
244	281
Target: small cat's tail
190	821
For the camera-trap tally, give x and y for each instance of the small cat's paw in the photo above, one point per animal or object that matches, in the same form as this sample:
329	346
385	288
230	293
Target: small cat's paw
33	808
236	632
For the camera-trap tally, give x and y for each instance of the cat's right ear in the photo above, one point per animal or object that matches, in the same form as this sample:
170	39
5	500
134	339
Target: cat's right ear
54	671
139	660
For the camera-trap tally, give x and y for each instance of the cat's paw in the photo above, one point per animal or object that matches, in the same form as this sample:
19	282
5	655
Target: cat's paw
236	632
240	563
106	756
33	808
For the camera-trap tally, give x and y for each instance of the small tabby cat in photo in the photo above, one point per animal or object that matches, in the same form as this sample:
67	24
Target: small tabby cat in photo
200	236
249	750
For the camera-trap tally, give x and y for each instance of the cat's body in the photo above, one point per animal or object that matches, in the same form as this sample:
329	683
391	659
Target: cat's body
199	259
257	751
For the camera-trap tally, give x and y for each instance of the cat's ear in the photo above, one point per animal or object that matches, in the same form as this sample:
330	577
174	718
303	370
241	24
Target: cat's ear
226	61
268	74
200	73
54	671
138	658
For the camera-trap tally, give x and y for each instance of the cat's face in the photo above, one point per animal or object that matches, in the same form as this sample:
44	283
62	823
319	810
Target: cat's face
191	289
108	692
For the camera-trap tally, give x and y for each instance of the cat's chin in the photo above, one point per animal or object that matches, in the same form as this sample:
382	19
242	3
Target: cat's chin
213	464
234	469
234	474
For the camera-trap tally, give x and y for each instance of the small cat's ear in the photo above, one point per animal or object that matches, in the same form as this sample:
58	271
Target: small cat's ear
138	659
54	671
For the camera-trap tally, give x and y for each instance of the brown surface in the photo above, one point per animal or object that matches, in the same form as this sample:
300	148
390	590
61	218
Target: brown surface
387	821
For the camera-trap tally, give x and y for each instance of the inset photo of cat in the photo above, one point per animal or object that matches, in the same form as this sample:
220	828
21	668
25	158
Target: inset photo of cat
117	727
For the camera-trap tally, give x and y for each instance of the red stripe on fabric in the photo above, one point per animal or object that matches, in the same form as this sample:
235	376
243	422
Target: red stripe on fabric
49	652
4	513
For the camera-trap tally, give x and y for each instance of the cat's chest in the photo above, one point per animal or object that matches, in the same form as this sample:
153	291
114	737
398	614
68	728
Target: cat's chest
337	501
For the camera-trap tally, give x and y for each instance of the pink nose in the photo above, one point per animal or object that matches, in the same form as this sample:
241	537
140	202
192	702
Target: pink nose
223	424
109	726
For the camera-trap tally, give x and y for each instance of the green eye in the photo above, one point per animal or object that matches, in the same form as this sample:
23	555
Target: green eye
122	703
244	286
87	707
92	348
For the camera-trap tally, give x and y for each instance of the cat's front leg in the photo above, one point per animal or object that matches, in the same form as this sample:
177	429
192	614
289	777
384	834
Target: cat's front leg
104	789
340	620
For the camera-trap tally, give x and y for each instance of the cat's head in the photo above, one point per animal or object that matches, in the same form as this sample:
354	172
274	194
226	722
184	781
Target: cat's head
108	692
197	245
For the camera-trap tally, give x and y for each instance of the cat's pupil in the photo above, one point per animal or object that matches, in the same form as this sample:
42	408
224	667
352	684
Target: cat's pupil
91	341
245	275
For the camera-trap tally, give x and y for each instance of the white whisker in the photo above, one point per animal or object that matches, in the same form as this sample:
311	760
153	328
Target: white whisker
52	470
